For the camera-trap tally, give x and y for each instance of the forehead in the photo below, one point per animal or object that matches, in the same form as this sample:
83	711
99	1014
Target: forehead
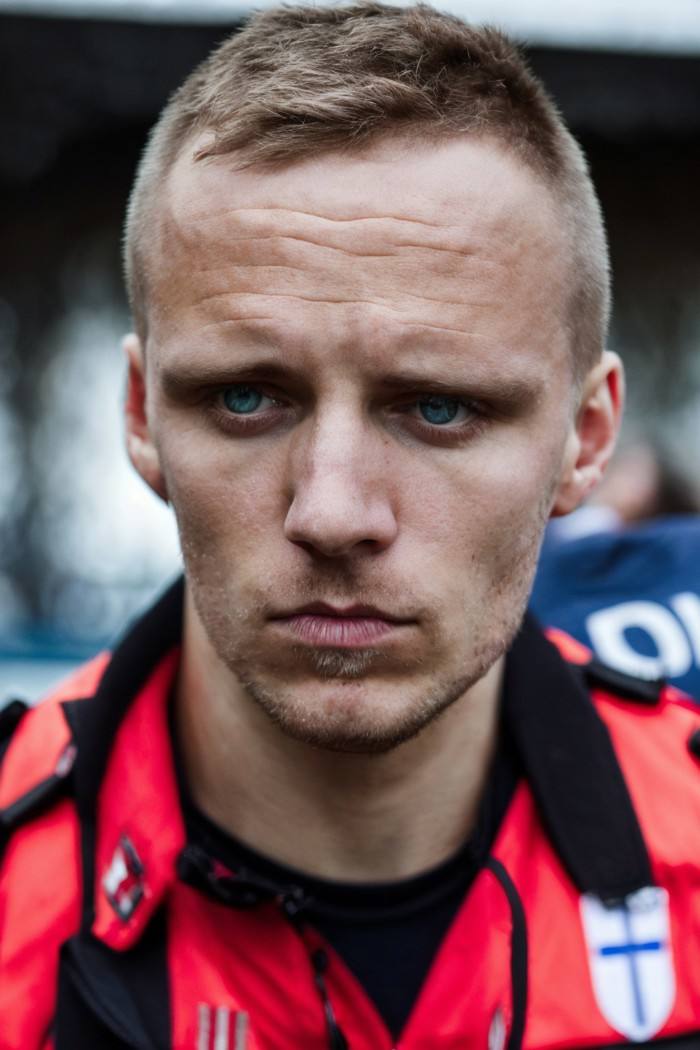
461	188
406	237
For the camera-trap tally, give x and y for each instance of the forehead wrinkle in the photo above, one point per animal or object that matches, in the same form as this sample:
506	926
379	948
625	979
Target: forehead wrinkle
281	237
302	262
383	240
192	212
379	302
299	253
225	228
334	220
216	290
299	272
236	321
366	253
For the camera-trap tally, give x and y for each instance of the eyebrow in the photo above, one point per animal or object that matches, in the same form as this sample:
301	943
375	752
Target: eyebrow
182	378
507	388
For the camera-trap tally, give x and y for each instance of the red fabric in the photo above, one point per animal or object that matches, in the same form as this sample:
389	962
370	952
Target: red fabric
573	651
41	867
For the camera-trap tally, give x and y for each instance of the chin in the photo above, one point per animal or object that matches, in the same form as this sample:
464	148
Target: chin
354	717
340	664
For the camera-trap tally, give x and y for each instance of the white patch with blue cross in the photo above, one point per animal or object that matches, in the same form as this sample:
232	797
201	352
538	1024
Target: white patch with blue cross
629	952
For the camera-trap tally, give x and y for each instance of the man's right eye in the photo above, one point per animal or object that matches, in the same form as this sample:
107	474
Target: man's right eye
242	399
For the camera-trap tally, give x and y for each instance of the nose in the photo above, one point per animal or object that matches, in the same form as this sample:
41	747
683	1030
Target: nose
340	489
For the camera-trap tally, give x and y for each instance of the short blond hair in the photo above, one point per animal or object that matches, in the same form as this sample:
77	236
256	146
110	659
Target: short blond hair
297	81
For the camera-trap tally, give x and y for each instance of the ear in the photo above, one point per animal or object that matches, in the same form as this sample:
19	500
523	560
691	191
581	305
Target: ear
593	434
139	443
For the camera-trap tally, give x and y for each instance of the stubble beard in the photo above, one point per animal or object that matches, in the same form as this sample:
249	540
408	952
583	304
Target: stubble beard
333	725
337	730
346	734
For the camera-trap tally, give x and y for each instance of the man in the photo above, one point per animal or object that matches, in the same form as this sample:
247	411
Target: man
333	792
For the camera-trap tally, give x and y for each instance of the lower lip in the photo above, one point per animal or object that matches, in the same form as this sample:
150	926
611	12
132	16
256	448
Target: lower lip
339	632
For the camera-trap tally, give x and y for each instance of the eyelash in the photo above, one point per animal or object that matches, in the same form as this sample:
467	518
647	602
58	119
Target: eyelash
260	421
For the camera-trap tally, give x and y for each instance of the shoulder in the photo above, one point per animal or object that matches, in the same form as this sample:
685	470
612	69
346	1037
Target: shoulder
37	750
36	738
635	707
655	732
39	831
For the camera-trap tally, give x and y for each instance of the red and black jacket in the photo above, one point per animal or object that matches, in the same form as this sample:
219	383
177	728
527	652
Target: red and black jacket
112	937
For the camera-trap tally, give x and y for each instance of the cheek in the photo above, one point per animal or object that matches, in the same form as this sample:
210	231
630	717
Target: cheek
481	512
222	495
480	493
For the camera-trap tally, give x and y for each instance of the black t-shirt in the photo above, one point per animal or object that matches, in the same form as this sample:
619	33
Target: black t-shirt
386	933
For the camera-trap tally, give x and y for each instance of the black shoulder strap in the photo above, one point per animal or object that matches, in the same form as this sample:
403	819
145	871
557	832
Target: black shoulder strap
625	686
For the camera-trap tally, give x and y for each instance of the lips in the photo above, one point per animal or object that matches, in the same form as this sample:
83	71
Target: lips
345	627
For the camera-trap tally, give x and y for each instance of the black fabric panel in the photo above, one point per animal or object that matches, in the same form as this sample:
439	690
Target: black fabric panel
4	747
114	1000
5	740
571	765
518	954
10	716
77	1027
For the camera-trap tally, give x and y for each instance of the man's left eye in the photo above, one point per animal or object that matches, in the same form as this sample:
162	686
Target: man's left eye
242	399
439	410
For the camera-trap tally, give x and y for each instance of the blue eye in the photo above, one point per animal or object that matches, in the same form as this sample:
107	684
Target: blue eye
439	410
242	399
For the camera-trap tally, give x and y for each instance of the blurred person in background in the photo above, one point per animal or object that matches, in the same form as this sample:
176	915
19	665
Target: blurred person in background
622	573
336	789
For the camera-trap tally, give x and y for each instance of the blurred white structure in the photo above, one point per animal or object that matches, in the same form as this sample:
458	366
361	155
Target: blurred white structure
627	25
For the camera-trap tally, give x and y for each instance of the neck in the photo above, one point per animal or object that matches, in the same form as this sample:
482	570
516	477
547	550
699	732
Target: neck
350	817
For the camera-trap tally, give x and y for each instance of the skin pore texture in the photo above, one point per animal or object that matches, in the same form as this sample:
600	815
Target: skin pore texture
357	394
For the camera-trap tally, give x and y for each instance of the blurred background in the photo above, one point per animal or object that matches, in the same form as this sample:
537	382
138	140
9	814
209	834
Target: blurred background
83	544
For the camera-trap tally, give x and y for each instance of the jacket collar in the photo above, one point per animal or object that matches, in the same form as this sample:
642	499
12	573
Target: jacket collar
128	800
125	782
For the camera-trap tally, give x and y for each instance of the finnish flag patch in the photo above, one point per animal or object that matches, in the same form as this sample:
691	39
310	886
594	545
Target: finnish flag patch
630	959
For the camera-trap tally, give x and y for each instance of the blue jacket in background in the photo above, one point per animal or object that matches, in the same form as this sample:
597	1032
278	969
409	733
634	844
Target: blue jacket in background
631	594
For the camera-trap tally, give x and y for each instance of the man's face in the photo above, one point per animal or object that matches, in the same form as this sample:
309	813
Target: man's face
360	396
